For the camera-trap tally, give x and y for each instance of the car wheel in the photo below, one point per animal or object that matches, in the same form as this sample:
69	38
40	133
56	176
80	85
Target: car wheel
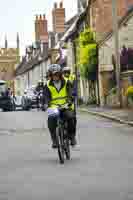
4	110
13	107
23	103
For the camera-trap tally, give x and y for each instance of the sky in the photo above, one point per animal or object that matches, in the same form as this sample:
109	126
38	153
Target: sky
18	16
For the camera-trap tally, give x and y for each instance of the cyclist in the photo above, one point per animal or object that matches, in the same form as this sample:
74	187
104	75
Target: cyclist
68	75
72	78
48	75
39	88
58	91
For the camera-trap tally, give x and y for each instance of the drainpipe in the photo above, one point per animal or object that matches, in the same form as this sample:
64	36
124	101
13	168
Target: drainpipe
117	54
97	78
76	73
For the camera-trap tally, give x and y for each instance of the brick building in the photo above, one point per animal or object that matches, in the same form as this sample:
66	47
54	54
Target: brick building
101	14
107	66
58	17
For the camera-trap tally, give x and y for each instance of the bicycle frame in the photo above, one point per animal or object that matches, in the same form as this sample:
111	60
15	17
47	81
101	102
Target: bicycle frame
62	139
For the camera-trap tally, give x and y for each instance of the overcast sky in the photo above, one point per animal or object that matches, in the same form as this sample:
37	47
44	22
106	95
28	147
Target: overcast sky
18	16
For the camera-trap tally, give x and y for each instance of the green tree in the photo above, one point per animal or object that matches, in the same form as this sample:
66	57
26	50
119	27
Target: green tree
86	53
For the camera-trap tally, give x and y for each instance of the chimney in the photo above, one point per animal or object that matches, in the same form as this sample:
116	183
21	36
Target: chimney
61	5
41	29
55	5
58	16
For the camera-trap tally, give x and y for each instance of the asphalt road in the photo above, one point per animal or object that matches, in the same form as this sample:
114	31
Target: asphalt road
102	169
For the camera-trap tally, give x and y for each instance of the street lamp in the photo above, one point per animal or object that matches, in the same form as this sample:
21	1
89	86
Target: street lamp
41	65
116	45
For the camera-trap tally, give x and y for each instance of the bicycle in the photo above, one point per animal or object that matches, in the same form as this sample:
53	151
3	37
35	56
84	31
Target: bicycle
62	137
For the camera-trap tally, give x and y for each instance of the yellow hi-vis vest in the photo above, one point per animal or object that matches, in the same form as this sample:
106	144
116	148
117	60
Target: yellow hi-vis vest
71	78
58	97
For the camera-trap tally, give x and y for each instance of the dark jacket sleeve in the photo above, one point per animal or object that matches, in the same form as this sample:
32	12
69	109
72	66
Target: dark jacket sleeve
69	91
74	93
47	95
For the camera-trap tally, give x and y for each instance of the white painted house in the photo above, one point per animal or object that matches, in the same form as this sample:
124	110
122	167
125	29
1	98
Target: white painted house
29	73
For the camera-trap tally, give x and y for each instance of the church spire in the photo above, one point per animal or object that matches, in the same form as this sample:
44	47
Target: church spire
6	42
18	42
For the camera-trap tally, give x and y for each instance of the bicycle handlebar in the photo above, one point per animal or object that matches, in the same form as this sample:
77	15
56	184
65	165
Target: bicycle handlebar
64	107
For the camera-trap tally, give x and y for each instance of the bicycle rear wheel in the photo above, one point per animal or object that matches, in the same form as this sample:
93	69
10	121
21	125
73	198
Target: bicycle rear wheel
67	149
66	142
59	135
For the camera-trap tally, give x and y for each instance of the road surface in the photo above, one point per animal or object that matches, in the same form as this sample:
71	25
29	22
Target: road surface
102	169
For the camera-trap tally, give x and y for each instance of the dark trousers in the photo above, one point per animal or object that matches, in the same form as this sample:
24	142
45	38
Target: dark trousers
71	119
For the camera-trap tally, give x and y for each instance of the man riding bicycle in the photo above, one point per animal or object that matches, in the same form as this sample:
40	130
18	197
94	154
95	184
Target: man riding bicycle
58	92
72	78
69	76
38	89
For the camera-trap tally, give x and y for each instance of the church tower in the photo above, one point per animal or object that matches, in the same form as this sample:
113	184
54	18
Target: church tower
9	58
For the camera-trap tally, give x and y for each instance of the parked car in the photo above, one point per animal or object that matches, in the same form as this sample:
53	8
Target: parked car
18	101
7	102
29	99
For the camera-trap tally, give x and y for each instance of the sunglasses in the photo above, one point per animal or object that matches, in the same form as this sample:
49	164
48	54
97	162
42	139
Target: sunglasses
56	74
66	72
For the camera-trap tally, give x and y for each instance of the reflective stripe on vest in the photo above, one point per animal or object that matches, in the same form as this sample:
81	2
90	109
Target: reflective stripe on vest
58	97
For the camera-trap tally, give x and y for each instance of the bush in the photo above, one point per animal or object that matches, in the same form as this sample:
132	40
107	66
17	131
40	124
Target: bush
113	91
91	101
129	92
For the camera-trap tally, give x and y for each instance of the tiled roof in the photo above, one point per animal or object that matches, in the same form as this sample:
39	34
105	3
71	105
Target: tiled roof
73	28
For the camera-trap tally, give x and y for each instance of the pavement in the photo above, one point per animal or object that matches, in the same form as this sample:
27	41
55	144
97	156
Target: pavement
124	116
102	169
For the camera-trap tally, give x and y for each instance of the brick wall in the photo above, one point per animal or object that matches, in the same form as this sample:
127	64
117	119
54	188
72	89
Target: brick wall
101	14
